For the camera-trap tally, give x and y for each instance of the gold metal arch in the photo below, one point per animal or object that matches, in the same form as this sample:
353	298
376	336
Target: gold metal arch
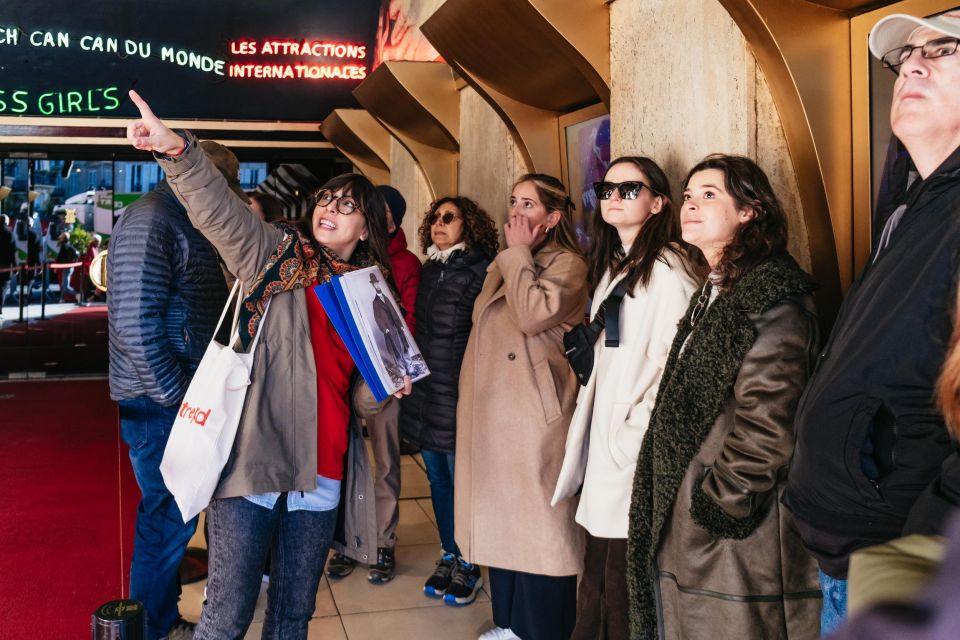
804	52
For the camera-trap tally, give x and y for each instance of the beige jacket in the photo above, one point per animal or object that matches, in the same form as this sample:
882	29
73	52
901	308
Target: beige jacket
276	443
517	394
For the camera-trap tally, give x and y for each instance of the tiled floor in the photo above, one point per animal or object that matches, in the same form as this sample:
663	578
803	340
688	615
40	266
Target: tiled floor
353	609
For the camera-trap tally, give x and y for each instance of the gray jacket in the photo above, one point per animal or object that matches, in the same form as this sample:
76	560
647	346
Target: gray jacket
276	443
166	293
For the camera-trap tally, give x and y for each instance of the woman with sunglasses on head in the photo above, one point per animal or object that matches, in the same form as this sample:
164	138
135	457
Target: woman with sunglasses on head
294	455
460	240
517	394
635	250
711	552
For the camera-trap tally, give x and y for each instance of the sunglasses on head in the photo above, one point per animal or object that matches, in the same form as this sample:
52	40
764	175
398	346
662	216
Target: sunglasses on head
629	190
447	218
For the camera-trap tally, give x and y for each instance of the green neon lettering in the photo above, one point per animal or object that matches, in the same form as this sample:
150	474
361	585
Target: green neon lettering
16	98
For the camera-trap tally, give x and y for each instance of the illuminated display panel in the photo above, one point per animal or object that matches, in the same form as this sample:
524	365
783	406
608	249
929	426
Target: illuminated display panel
272	60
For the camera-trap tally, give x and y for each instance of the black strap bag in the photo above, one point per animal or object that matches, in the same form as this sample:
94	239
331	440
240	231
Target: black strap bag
578	342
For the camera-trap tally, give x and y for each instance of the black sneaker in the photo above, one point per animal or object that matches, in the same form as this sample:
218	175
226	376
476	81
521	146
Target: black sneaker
464	584
436	585
385	569
340	566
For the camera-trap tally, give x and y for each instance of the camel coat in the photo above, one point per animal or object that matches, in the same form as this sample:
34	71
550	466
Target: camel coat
517	394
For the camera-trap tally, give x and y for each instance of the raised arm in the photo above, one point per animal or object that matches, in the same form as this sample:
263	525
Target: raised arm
242	239
541	300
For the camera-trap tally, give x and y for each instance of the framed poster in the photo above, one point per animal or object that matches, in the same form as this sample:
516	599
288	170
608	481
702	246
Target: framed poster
586	153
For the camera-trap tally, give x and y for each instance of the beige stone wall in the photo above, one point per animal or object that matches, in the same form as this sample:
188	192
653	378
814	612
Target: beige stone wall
407	177
685	84
489	159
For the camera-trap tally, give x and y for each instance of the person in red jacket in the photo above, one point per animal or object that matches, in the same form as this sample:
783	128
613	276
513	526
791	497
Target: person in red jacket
382	420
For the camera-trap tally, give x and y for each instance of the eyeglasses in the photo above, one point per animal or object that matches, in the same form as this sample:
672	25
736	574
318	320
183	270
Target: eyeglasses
446	218
345	204
629	190
937	48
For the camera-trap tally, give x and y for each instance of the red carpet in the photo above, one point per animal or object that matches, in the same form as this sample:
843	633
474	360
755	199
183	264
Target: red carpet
70	343
68	502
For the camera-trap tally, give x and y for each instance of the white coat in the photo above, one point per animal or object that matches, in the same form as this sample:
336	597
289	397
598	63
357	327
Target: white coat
614	407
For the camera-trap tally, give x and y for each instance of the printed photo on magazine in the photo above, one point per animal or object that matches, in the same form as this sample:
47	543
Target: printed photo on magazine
362	309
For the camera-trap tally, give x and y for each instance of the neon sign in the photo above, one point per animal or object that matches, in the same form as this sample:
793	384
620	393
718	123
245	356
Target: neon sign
60	102
298	70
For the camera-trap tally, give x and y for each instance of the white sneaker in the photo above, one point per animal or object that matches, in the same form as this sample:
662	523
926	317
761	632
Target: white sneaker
499	633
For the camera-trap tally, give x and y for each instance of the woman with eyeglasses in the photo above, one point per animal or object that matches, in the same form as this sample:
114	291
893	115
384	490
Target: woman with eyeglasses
460	240
295	455
517	394
711	551
635	249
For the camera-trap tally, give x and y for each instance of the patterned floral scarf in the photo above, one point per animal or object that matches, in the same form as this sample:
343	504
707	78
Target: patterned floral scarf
295	264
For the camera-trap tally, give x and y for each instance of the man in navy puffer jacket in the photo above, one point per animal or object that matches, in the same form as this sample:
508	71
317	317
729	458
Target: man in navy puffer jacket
166	293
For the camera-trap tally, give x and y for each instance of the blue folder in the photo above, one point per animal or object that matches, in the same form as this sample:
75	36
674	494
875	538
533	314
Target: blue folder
334	302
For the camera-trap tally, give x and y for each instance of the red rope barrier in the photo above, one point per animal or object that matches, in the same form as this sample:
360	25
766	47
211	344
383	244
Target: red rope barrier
64	266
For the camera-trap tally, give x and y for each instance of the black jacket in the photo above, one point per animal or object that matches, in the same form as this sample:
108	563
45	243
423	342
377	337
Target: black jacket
874	460
166	293
8	253
444	319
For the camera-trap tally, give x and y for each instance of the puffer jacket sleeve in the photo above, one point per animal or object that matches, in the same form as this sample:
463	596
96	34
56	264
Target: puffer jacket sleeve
242	239
143	259
758	448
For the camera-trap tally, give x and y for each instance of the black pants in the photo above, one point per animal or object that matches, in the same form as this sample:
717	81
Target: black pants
602	605
534	607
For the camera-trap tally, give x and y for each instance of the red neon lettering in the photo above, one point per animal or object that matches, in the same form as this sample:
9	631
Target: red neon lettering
287	71
286	47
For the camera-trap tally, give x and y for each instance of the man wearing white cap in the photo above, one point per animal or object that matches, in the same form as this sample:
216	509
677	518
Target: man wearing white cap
874	460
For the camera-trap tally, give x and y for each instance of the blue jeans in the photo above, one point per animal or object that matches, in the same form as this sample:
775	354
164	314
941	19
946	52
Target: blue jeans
242	534
834	610
161	535
440	473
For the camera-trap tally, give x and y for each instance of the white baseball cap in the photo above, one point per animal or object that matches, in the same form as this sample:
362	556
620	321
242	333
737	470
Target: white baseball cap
894	30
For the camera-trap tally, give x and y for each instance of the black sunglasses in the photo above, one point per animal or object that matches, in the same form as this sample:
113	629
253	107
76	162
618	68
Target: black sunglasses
629	190
447	218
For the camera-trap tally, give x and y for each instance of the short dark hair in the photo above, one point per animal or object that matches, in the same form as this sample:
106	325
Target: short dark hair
757	239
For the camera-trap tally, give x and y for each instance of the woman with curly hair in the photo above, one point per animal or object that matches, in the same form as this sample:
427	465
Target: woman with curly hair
460	240
711	552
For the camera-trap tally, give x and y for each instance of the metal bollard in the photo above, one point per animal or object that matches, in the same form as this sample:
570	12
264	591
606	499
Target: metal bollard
119	620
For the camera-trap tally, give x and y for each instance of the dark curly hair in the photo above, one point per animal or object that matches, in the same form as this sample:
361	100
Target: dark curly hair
756	240
479	230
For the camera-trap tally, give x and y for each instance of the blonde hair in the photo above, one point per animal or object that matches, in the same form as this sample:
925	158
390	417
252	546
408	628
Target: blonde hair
553	195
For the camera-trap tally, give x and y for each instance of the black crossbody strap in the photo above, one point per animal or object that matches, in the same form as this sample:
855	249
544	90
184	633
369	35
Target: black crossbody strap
612	305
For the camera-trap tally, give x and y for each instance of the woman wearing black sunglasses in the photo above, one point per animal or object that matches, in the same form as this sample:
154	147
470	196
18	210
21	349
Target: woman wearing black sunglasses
460	240
636	248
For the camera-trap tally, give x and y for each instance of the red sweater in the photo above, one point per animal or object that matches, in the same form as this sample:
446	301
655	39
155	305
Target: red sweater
406	273
334	368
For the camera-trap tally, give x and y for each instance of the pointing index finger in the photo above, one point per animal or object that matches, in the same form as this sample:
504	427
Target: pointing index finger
141	104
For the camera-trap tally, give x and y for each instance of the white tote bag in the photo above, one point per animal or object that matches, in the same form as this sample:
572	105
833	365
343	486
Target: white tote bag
206	423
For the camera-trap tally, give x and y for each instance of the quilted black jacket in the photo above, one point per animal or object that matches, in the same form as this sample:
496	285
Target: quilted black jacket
444	309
